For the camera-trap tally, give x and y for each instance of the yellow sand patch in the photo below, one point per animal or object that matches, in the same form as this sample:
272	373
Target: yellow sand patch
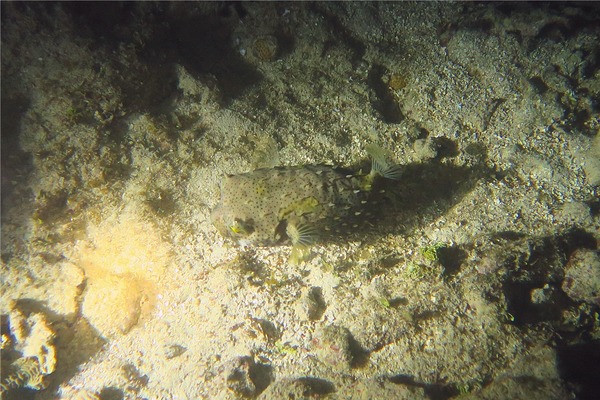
123	260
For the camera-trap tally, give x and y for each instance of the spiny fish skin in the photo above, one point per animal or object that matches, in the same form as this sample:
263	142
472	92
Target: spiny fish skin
267	206
296	205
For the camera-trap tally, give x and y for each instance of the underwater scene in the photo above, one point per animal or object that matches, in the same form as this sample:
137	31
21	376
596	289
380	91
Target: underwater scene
300	200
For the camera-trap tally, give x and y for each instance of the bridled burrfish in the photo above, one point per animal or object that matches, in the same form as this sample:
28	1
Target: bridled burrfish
296	205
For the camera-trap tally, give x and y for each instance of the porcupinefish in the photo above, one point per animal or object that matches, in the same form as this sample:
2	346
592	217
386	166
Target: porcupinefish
296	205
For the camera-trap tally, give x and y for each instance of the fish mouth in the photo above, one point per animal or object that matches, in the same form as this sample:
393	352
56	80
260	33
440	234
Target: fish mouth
217	219
215	214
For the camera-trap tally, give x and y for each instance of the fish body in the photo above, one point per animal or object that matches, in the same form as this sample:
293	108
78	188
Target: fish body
294	205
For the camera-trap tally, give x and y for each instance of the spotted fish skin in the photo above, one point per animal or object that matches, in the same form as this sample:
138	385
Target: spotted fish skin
265	207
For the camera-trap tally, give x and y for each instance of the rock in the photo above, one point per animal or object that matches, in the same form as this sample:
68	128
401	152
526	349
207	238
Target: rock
174	350
247	378
238	378
30	356
346	388
424	149
331	345
311	304
72	393
265	48
582	276
379	388
547	295
299	388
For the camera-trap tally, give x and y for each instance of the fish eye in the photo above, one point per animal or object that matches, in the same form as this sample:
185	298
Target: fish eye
242	227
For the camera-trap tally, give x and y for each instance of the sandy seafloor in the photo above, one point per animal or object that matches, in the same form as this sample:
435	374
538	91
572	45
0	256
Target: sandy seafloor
480	281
